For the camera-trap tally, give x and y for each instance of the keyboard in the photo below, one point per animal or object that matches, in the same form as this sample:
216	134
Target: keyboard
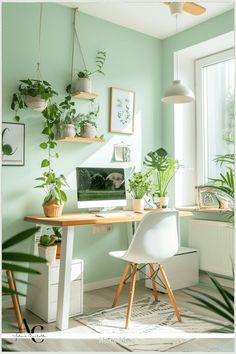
115	215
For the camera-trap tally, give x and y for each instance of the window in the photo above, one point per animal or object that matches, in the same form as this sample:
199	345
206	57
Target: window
215	111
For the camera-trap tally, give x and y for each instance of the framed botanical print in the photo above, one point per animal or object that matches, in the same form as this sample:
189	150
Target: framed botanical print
121	111
13	144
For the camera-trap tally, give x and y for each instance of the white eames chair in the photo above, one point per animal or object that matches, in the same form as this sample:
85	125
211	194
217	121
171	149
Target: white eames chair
155	240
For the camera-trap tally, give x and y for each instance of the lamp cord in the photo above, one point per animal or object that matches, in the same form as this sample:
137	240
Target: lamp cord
177	57
38	73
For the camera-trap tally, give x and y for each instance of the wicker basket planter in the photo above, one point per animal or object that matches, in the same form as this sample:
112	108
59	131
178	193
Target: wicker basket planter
52	209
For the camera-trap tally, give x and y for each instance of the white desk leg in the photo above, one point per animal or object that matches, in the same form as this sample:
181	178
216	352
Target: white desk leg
63	302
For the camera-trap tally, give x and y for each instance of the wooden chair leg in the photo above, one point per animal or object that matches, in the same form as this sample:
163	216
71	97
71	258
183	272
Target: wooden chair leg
152	274
131	295
15	300
170	293
120	286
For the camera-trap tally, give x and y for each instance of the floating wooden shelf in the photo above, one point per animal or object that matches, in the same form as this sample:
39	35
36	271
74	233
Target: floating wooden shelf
82	140
85	95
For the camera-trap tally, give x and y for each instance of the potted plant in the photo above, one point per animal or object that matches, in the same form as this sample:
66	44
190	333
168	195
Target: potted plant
83	83
57	234
47	248
67	124
33	94
139	185
55	196
164	168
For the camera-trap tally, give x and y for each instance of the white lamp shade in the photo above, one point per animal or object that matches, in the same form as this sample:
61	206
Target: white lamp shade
178	93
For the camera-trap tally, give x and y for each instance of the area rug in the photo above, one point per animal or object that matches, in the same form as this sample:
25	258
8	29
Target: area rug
149	319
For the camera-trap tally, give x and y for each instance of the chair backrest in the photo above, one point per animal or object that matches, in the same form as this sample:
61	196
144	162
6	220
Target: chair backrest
156	238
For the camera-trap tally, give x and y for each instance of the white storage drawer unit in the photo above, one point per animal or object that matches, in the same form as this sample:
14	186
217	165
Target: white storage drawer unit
182	270
43	293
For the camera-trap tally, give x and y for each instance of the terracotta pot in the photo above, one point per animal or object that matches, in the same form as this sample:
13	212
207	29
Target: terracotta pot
58	244
83	84
36	103
138	204
48	252
52	209
88	131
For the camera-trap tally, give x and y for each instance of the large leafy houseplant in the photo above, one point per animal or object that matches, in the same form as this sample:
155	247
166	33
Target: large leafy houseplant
164	168
31	93
139	184
225	182
223	307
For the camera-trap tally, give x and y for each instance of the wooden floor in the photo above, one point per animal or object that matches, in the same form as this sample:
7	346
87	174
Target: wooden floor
101	299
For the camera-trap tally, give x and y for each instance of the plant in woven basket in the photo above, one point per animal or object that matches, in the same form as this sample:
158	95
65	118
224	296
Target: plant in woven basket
55	196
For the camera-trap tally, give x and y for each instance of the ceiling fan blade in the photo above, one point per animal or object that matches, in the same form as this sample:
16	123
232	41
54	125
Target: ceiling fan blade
193	8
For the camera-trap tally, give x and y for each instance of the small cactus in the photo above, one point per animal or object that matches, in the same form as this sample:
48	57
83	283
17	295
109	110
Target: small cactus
47	240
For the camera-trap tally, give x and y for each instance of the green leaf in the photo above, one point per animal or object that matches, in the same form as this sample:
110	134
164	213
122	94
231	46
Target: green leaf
7	291
23	235
17	118
45	163
63	196
43	145
22	257
56	155
16	268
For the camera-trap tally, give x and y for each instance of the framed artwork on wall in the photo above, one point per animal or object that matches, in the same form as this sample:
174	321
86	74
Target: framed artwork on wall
121	111
13	144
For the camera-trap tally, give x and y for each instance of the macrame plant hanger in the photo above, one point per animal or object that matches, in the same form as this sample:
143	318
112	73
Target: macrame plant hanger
38	75
75	39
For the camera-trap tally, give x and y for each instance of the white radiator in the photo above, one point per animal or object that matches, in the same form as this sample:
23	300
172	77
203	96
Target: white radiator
215	242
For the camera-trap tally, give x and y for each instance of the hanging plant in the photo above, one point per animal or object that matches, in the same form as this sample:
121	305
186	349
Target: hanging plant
52	184
67	126
33	94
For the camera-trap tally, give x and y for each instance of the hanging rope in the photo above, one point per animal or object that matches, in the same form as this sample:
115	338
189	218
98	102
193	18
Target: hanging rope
38	73
75	36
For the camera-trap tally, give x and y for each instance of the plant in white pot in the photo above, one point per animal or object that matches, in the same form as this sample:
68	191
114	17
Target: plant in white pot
86	123
67	126
84	83
139	185
32	94
47	248
164	169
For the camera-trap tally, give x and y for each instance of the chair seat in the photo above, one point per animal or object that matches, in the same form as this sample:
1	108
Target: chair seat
117	254
133	258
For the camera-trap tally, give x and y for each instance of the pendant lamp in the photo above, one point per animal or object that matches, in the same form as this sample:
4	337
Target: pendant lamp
178	92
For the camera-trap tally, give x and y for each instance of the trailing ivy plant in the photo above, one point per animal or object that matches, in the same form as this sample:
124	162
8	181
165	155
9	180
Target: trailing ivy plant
30	88
100	61
51	183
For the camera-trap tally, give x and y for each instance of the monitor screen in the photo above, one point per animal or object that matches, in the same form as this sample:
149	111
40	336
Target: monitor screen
100	187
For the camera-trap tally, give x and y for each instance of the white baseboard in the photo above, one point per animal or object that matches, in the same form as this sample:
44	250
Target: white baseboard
224	281
101	284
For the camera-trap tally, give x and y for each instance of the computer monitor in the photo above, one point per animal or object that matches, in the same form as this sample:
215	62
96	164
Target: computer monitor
100	187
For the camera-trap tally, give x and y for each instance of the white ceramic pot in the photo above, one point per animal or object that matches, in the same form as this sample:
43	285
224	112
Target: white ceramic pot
36	103
161	202
68	130
138	204
83	85
88	131
49	253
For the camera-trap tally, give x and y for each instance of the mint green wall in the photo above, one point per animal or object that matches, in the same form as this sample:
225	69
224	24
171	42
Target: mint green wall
133	62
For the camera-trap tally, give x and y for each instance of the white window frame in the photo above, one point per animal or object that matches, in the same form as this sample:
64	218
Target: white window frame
201	148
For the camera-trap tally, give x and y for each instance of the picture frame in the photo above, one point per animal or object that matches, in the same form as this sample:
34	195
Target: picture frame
207	198
13	144
121	111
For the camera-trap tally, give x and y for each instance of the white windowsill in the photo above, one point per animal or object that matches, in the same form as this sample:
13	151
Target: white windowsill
203	210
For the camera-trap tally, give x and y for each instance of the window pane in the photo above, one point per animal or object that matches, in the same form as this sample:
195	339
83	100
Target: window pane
218	95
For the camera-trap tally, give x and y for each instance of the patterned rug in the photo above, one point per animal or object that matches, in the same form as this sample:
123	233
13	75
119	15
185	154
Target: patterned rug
149	319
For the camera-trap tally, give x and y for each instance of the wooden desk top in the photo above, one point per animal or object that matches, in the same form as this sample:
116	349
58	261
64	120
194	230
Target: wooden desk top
77	219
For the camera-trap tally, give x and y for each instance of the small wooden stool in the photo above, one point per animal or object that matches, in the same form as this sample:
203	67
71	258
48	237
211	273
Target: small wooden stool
15	301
